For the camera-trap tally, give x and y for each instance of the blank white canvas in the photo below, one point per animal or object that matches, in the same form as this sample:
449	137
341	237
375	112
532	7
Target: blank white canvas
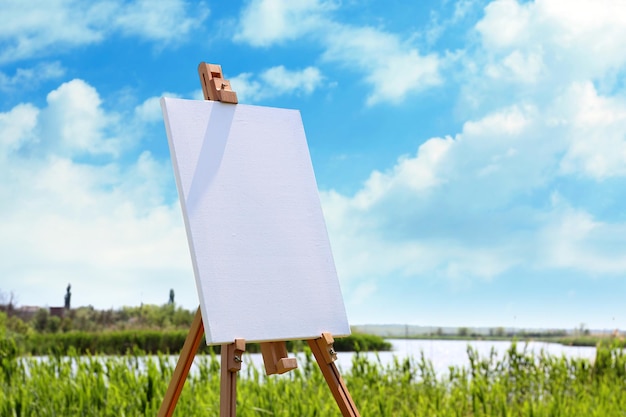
259	246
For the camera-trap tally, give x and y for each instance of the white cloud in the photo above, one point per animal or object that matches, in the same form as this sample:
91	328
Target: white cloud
106	227
488	201
573	40
276	81
247	88
437	26
17	126
505	25
30	29
267	22
517	67
597	133
563	58
483	203
284	81
74	121
391	68
150	110
26	78
159	21
573	239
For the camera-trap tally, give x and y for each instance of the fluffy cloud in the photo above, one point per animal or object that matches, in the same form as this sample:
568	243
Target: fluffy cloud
166	21
17	127
266	22
493	198
553	42
391	67
97	225
74	121
565	57
597	131
25	78
30	29
538	93
150	110
276	81
512	193
574	239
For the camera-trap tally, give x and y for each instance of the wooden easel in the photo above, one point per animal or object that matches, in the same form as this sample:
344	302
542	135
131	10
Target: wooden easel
275	359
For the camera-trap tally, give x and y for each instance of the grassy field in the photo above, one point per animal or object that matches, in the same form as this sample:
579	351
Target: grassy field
155	341
516	384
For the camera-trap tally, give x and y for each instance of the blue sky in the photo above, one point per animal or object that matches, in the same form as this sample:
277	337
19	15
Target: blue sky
470	155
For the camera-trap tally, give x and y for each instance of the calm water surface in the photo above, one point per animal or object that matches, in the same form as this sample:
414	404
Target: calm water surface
446	353
441	353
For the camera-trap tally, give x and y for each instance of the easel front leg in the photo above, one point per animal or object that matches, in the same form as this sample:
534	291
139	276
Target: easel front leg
325	356
231	364
192	342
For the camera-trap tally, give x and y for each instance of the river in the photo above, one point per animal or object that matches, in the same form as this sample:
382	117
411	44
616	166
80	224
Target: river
445	353
441	353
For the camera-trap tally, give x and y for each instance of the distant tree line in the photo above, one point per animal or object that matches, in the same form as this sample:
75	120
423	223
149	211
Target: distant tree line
88	319
147	328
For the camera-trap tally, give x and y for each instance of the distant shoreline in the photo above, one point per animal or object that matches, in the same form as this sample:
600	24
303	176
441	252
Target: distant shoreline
589	341
576	337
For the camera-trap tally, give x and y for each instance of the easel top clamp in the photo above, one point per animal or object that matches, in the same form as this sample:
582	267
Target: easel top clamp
216	88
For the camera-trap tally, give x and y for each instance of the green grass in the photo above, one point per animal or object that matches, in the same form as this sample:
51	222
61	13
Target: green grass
118	342
515	384
588	341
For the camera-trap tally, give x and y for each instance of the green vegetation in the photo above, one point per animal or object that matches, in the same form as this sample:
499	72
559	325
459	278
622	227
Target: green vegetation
517	384
580	337
589	340
158	341
151	329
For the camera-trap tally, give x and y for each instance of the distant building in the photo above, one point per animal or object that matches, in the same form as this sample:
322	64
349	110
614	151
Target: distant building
57	312
25	313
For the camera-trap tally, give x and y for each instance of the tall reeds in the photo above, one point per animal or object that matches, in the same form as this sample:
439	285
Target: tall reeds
518	383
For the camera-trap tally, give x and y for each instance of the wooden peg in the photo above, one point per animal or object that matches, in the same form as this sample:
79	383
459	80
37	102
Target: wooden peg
214	86
275	358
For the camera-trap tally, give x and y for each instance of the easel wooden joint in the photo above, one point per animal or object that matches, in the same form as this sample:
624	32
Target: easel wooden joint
275	355
231	364
325	355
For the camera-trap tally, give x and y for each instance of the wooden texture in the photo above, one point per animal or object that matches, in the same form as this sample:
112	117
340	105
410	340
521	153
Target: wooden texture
192	342
275	358
193	144
214	86
231	356
323	352
260	250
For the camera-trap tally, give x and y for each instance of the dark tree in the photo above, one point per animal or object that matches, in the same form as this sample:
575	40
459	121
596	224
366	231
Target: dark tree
171	296
68	296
